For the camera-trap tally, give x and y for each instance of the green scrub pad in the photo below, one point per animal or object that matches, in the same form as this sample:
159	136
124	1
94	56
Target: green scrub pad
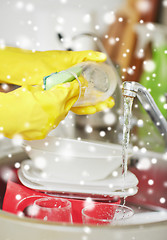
61	77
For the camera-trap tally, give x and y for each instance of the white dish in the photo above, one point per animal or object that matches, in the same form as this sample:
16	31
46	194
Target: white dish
111	185
71	159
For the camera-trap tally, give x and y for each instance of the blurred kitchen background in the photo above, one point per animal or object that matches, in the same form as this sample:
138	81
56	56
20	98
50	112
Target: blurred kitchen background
134	35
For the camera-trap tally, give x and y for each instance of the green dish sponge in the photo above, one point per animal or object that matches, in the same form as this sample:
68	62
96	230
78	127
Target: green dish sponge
61	77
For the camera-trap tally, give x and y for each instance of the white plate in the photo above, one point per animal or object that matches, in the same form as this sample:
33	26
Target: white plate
72	159
112	185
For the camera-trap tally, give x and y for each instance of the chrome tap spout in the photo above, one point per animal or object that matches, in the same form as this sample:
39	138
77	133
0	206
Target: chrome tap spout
134	89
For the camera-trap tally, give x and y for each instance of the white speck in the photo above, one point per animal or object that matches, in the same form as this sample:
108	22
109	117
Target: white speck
164	157
30	7
147	106
5	86
150	191
164	3
20	214
102	133
89	200
32	210
131	191
29	22
87	230
117	39
162	200
88	129
120	19
57	159
26	167
35	28
143	150
28	148
165	184
87	18
85	174
97	27
63	1
165	106
84	237
38	44
40	162
110	185
144	164
150	182
92	149
150	26
130	71
9	155
19	5
140	123
162	99
60	20
135	149
82	182
17	165
57	143
17	140
109	118
149	66
115	173
111	41
46	144
109	17
18	197
140	53
143	6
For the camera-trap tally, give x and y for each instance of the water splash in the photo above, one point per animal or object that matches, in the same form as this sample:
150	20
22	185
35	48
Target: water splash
128	102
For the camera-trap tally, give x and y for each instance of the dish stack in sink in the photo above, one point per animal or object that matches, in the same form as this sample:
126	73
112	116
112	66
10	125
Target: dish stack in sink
73	166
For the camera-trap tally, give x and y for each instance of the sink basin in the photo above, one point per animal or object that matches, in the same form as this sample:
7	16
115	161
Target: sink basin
19	227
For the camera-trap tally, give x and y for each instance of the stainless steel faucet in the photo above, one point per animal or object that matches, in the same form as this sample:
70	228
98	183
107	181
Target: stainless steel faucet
135	89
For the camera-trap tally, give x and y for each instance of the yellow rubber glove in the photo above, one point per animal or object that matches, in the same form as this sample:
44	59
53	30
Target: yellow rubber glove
109	103
22	67
30	111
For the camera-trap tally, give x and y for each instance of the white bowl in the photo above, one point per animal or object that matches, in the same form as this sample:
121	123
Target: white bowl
70	159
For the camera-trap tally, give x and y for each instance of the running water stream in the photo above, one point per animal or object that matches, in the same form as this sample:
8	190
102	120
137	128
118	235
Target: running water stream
128	102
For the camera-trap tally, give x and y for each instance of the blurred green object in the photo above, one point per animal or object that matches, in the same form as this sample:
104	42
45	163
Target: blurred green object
154	77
